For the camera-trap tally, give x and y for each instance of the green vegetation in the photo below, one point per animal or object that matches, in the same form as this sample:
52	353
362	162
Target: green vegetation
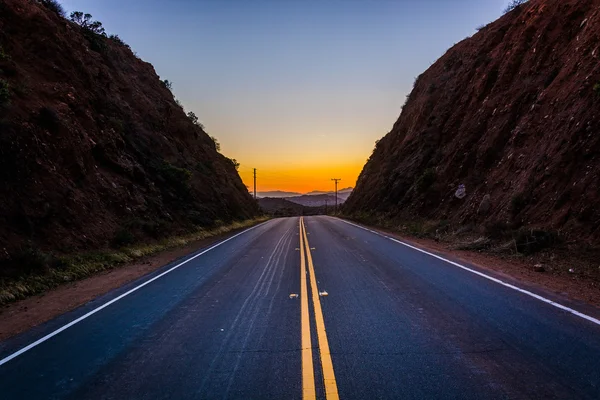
168	84
45	271
153	228
92	30
597	89
4	93
174	174
33	260
3	55
236	164
195	120
85	21
217	144
123	237
118	40
53	6
495	237
530	241
518	203
426	179
177	178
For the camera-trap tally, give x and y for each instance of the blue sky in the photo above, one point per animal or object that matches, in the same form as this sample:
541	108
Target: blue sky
298	89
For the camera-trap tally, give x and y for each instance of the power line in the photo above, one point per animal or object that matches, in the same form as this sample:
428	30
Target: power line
254	183
336	180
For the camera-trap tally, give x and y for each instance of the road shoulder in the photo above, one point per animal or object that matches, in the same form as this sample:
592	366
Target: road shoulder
516	270
25	314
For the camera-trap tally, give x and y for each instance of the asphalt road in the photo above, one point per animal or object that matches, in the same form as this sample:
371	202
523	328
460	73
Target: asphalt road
332	310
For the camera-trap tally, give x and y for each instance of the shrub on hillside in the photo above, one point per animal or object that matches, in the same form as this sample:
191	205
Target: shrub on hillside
517	203
31	259
3	55
175	177
86	22
195	120
4	93
48	118
122	238
53	6
217	144
118	40
235	163
426	180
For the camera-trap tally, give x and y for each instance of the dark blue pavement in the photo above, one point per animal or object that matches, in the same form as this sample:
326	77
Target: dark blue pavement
400	324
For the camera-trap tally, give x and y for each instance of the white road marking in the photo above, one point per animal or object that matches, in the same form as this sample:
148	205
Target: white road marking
94	311
491	278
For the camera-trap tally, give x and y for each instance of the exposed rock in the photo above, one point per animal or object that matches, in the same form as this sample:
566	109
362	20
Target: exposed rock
539	268
485	205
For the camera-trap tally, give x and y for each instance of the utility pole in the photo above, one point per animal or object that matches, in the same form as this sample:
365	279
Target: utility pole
254	183
336	180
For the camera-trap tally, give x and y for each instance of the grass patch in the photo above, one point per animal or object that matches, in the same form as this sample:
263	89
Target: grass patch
47	271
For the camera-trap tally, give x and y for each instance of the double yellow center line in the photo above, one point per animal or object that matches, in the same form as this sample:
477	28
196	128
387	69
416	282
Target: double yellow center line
308	373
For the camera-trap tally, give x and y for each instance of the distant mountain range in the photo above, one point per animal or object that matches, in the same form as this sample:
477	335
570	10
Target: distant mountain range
316	198
279	194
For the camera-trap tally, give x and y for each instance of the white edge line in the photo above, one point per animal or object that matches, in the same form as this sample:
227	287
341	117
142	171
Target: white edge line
94	311
508	285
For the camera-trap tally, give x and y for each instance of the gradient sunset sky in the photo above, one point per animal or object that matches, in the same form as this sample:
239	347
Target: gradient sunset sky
299	89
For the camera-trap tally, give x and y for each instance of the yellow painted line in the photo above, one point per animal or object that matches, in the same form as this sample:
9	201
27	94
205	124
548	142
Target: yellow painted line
308	372
331	391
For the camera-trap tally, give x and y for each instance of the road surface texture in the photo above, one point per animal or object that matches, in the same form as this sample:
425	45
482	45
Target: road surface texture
310	308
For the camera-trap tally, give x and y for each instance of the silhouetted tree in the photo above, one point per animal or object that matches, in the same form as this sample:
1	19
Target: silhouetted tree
217	144
86	22
54	6
117	39
194	119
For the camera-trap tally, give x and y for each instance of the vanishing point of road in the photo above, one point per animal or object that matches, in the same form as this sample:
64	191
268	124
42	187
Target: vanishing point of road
305	308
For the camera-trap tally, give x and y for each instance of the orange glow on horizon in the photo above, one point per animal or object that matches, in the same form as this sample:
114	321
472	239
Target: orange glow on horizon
301	180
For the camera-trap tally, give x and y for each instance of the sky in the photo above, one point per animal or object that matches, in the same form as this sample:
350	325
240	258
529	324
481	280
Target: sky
298	89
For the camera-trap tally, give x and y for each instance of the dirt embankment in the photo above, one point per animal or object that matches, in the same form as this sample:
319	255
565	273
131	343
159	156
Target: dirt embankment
511	113
94	149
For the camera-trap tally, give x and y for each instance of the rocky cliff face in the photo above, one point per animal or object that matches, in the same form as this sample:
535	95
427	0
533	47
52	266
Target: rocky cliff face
93	146
513	114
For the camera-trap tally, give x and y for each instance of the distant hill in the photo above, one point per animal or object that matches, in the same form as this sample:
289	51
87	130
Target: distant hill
278	207
317	200
278	194
272	204
345	192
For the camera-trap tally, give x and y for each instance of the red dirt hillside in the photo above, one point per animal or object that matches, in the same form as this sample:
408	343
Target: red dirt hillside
513	113
93	146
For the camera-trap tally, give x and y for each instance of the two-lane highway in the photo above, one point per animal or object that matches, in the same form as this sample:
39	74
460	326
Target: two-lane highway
309	308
